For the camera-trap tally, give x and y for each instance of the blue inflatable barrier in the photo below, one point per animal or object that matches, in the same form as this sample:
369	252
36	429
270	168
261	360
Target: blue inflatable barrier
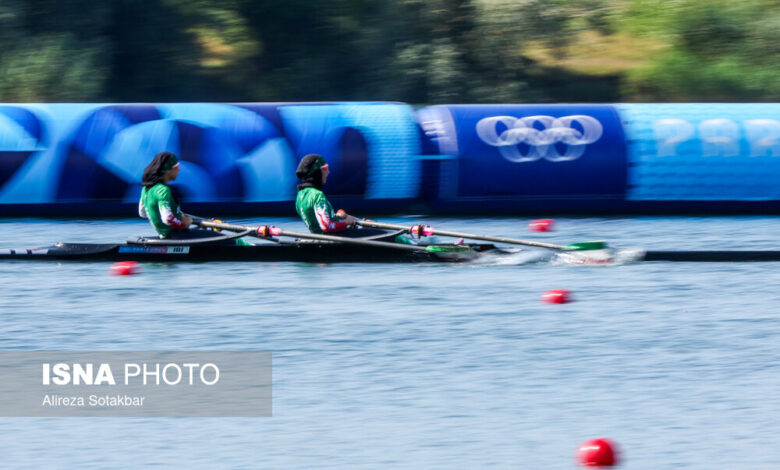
702	151
72	155
518	159
504	152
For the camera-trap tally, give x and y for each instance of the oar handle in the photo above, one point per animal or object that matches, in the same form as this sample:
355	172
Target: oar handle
264	232
473	236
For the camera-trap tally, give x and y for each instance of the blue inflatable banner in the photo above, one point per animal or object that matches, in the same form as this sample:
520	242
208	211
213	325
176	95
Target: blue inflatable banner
231	153
703	151
88	158
537	151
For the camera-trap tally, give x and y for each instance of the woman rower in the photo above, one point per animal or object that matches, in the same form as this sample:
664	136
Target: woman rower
315	209
317	212
311	203
159	204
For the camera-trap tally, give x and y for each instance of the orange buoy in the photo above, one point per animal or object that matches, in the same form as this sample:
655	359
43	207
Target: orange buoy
557	296
541	225
125	268
597	453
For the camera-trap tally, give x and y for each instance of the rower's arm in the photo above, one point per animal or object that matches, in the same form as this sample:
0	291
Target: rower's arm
169	217
326	219
142	210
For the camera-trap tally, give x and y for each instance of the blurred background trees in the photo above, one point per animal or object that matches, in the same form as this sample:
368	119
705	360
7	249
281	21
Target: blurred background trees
416	51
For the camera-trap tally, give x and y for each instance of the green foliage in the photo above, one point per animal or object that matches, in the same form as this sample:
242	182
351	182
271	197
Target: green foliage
418	51
721	50
712	28
36	71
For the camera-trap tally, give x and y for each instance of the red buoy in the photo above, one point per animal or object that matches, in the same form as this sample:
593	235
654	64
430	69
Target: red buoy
125	268
557	296
598	453
541	225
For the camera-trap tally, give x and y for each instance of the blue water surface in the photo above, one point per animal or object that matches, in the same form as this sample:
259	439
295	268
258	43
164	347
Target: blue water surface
434	366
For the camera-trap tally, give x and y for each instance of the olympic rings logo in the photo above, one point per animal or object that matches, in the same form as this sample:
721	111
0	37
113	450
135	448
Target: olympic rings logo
542	142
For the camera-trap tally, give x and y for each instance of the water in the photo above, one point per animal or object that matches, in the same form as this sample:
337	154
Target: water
426	366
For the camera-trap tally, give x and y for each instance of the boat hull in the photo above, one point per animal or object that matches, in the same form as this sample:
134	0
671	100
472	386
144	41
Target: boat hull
303	252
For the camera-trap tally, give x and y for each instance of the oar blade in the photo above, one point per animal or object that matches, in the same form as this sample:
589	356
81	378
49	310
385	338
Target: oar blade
586	246
588	253
452	252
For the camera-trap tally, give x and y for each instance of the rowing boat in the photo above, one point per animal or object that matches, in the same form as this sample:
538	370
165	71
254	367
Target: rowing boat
283	245
304	251
295	251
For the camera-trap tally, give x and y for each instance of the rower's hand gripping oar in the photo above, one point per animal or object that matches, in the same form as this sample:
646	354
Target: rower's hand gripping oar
425	230
267	232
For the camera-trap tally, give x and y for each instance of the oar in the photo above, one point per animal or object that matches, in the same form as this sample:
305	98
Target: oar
424	230
266	232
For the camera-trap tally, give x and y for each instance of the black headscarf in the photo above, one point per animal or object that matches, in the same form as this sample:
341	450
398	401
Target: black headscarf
153	173
309	171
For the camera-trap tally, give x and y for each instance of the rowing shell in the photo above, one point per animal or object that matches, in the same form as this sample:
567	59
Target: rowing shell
299	251
316	252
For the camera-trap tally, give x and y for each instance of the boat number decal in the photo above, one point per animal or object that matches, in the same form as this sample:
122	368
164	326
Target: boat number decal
157	250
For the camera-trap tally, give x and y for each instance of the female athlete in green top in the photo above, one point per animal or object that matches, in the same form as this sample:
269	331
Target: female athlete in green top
311	203
316	211
158	203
